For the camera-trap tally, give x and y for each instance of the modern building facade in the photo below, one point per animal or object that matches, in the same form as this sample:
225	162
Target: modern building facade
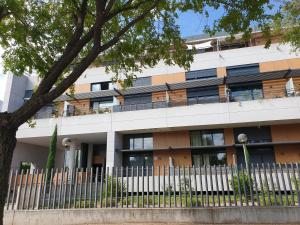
172	117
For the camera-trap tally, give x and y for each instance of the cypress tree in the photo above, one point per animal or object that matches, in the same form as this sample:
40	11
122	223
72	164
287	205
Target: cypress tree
52	152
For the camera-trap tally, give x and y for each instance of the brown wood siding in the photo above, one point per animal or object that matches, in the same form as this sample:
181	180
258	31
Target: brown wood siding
174	139
82	107
289	132
280	65
168	78
287	153
274	88
222	92
221	72
158	96
178	96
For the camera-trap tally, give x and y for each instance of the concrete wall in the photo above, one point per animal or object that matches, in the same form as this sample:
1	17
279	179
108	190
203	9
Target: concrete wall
29	153
237	215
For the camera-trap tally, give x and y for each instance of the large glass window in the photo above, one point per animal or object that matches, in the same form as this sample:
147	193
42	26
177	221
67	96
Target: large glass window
138	160
257	155
138	141
243	70
100	86
207	138
254	134
203	95
211	157
201	74
245	92
101	103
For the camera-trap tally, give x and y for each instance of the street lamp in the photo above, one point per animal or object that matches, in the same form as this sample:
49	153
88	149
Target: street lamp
243	139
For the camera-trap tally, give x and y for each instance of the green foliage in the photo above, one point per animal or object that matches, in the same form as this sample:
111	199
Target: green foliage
35	34
243	180
115	183
52	152
289	19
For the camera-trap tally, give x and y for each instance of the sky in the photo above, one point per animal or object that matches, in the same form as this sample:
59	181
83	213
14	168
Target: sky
190	24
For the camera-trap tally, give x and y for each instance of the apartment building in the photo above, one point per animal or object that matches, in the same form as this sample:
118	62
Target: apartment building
172	117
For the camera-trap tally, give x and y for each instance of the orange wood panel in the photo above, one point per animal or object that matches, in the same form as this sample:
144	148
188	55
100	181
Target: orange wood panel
287	153
168	78
274	88
221	72
289	132
280	65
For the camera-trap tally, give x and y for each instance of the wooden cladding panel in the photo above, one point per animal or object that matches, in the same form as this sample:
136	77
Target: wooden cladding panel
280	65
287	153
289	132
274	88
168	78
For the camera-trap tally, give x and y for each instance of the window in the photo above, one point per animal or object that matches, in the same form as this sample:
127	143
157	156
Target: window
245	92
137	99
25	166
257	155
28	94
254	134
101	103
248	69
142	81
138	141
211	157
101	86
203	95
207	138
138	160
201	74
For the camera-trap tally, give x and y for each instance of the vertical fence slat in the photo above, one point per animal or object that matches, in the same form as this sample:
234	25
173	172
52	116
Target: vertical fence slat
290	184
117	191
212	186
233	188
201	186
111	187
85	188
36	188
20	192
245	188
158	185
164	186
101	186
295	181
143	190
153	188
190	186
255	184
227	185
283	183
132	187
25	189
196	189
60	187
169	184
278	184
262	190
250	185
70	187
137	187
122	183
90	187
298	182
55	189
222	185
44	187
267	184
50	188
217	185
239	185
184	187
80	187
127	186
206	186
75	187
8	190
174	183
179	178
106	186
14	189
272	184
147	186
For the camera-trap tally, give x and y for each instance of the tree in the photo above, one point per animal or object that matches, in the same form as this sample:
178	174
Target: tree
289	19
52	152
60	39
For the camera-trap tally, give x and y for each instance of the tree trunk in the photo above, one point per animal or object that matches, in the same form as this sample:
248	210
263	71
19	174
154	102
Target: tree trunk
7	144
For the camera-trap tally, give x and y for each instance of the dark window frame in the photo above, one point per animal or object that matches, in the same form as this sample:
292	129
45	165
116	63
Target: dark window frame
101	83
211	132
132	137
209	152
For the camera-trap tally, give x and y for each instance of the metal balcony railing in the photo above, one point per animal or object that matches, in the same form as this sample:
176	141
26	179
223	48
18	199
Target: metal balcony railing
231	97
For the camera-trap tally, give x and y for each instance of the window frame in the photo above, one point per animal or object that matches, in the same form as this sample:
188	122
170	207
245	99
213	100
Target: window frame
130	140
207	132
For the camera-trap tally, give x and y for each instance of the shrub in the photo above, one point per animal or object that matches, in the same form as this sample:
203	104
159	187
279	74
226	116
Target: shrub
243	180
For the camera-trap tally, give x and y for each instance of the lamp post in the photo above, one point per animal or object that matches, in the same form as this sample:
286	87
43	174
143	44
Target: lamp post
242	138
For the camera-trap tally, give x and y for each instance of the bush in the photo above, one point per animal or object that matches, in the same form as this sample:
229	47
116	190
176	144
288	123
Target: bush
242	179
114	184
